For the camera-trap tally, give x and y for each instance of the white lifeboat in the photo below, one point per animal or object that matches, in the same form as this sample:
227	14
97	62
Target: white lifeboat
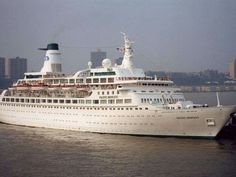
39	87
54	88
68	87
12	88
22	87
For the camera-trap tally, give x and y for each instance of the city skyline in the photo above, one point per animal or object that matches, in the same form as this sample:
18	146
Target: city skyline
181	36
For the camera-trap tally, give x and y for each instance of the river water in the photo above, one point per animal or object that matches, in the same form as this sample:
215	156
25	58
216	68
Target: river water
38	152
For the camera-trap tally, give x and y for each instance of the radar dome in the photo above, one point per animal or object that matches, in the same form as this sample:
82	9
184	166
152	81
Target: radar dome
106	63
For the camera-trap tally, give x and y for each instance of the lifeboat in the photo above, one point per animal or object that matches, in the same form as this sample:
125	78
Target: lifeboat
22	87
12	88
68	87
39	87
54	88
82	88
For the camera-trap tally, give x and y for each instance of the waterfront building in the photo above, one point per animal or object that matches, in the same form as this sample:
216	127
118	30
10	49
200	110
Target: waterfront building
2	67
15	67
118	61
96	57
232	69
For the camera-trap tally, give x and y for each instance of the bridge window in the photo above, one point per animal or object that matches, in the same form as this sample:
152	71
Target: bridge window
110	79
96	80
72	81
103	80
88	80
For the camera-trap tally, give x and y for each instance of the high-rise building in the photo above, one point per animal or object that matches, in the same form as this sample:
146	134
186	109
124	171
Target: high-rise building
119	60
232	69
16	67
2	67
97	57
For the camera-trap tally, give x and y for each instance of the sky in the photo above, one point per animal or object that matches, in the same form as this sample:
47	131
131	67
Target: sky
169	35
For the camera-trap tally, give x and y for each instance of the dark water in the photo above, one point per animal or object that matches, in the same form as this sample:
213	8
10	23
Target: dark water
37	152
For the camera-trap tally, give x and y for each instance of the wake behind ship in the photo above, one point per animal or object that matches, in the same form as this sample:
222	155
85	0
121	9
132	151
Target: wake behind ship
117	99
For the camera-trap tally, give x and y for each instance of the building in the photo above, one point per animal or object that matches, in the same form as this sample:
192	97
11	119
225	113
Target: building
16	67
118	61
2	67
232	69
97	57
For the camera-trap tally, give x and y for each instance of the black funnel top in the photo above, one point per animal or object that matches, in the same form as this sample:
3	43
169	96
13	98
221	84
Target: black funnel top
52	46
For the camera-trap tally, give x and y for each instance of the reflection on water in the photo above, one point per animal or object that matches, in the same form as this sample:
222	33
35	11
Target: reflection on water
26	151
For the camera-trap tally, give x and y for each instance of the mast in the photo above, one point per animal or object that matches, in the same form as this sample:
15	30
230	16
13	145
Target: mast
128	53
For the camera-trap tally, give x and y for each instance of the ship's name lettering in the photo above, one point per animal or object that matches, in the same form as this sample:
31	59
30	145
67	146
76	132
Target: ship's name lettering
195	117
106	97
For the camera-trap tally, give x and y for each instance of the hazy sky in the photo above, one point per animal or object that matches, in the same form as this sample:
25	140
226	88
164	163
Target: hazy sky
170	35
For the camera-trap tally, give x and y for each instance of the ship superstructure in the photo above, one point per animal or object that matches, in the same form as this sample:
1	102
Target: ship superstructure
109	99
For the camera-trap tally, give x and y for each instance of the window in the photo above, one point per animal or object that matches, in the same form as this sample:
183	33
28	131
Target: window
61	101
96	80
49	101
111	101
128	100
67	101
119	101
55	101
56	81
72	81
110	80
105	73
74	101
88	101
103	80
103	101
95	101
88	80
79	80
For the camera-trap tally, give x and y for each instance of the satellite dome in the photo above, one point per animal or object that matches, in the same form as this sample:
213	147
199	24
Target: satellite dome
106	63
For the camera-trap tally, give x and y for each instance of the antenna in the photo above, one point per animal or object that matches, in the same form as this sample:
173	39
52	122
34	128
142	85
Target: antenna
218	100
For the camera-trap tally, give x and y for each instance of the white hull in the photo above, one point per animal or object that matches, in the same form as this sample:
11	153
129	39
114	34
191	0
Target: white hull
188	122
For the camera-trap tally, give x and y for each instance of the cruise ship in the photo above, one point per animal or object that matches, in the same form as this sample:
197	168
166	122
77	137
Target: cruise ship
116	99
